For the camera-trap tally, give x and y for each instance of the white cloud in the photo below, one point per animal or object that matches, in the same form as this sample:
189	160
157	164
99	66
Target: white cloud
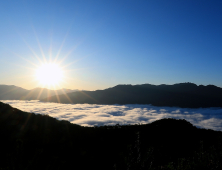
90	114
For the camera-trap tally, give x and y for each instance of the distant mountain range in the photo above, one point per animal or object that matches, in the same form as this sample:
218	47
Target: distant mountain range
11	92
187	95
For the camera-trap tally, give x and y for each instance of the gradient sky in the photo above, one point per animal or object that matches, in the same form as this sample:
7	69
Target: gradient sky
109	42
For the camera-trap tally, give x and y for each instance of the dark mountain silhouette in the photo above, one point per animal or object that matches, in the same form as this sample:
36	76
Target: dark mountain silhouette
40	93
11	92
17	93
33	141
181	95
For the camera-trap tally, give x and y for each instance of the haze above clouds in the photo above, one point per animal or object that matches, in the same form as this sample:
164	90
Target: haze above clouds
99	115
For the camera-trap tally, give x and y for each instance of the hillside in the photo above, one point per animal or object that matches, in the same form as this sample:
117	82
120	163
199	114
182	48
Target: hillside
8	92
30	141
181	95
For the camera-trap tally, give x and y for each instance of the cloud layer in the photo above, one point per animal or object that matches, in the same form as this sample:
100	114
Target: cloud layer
98	115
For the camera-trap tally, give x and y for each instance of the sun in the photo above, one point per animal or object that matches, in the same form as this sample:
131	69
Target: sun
49	74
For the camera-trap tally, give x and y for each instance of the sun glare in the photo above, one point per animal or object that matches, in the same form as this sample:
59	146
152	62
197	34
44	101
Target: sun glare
49	74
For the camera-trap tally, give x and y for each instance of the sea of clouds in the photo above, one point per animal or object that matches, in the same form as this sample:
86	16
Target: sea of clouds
98	115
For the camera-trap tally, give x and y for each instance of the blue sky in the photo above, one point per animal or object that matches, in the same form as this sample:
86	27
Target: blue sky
105	43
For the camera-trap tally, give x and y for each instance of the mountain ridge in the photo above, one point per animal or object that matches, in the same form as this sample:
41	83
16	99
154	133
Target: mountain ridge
179	95
12	92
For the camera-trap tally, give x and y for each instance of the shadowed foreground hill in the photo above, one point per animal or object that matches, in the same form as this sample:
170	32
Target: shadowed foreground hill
17	93
30	141
181	95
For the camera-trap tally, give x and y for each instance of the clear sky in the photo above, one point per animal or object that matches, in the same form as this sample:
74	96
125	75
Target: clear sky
100	44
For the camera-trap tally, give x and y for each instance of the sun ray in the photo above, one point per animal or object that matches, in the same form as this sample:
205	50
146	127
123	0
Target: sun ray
63	42
89	96
55	60
70	53
40	93
43	55
33	52
77	69
69	78
67	54
57	96
23	39
28	61
50	48
30	68
71	62
23	126
67	96
22	58
50	53
9	91
27	95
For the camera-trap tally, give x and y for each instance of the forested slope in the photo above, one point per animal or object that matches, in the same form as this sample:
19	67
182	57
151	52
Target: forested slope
30	141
